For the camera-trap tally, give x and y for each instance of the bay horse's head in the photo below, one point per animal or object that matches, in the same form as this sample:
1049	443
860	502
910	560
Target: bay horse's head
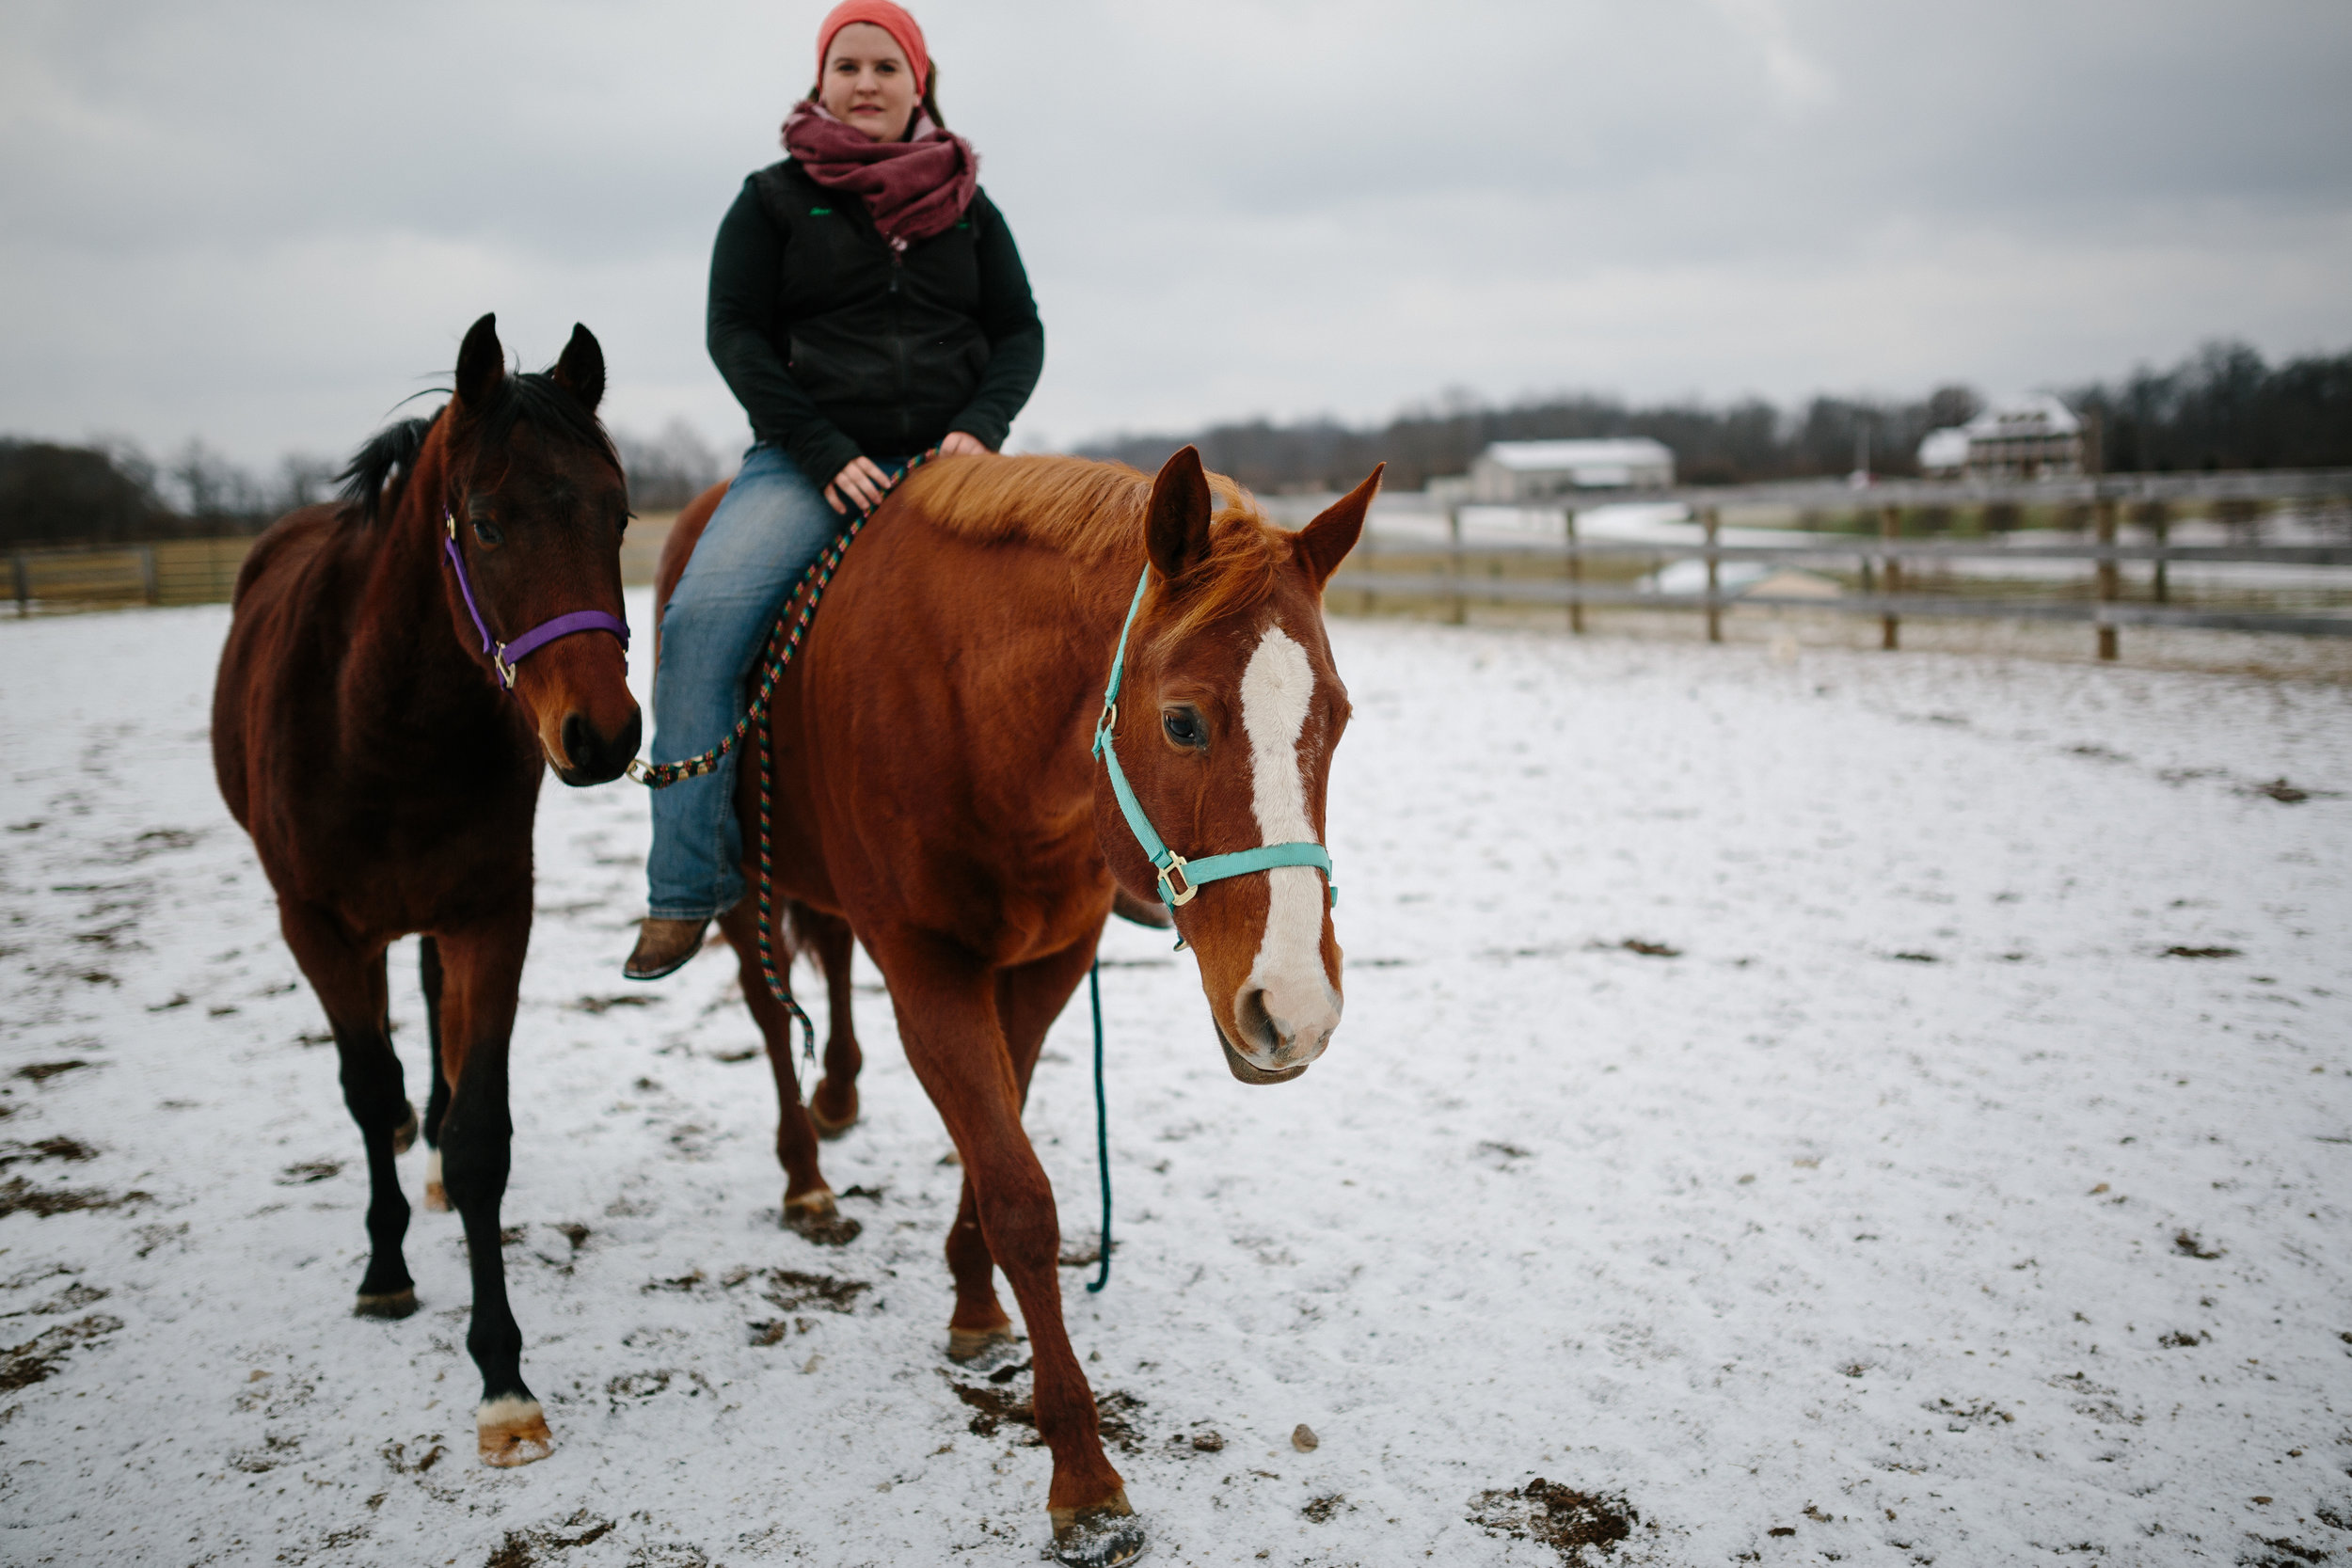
1228	712
535	504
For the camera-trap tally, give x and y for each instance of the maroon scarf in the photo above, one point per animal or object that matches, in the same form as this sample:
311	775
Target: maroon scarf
913	188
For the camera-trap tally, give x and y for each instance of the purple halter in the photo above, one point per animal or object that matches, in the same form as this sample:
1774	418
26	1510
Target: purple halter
506	656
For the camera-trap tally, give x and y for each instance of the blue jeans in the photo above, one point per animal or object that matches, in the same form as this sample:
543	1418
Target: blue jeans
773	523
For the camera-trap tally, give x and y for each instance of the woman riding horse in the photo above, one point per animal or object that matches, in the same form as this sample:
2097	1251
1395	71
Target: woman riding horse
866	304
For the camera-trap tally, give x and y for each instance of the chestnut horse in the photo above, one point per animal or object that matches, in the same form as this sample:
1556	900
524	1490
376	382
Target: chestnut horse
388	768
935	787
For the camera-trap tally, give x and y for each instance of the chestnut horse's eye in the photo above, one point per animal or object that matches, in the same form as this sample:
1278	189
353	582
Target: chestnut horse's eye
487	532
1185	728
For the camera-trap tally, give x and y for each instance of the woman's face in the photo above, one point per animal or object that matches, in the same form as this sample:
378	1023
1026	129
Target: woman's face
868	82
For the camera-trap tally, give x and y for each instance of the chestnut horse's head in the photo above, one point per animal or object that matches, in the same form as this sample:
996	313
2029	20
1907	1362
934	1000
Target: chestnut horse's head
1228	712
539	503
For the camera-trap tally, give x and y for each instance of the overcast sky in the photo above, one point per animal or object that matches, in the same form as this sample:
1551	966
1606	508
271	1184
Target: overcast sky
264	223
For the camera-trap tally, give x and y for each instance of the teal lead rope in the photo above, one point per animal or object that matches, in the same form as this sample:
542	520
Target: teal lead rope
1102	1126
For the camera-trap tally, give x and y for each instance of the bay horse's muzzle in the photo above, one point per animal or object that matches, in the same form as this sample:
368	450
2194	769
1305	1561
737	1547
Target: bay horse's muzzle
593	755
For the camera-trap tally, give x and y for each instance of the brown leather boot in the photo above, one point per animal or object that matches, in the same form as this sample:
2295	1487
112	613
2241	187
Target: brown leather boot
664	947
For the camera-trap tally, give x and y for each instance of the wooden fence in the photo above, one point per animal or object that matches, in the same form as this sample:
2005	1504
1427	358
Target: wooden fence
177	571
1884	568
67	578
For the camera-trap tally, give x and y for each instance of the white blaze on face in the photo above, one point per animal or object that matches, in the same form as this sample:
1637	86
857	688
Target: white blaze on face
1278	691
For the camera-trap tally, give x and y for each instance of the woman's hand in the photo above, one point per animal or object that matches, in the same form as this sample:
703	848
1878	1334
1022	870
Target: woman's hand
860	484
963	443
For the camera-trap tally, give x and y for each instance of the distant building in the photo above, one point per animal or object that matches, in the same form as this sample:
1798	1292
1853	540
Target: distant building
1944	454
2030	436
1510	472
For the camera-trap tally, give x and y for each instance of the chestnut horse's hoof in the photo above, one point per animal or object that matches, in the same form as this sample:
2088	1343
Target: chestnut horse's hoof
826	1126
1103	1536
406	1134
392	1303
512	1431
815	1215
436	1196
986	1346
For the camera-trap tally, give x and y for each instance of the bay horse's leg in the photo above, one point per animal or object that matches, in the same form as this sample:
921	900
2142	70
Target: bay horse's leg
349	980
808	1201
834	1107
949	1018
483	967
437	1102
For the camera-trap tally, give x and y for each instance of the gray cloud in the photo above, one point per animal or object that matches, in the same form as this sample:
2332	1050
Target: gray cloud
264	222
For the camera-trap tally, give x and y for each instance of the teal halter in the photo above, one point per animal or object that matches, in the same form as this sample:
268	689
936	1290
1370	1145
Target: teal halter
1180	879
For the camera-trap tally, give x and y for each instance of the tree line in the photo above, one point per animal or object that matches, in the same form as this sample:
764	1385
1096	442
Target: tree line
2223	408
111	492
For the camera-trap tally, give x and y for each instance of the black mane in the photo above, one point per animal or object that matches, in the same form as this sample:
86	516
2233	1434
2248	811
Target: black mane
377	470
385	458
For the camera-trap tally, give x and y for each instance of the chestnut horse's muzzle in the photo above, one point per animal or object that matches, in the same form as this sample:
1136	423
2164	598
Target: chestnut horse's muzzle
1247	1074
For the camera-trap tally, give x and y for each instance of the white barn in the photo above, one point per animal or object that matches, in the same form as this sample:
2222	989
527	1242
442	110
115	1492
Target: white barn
2031	436
1512	471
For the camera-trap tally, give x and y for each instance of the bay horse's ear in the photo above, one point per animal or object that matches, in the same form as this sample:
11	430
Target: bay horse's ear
1176	523
1323	544
481	362
581	370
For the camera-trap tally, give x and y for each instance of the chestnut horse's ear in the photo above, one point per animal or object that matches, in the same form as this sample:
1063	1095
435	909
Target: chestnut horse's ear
1323	544
1176	523
481	362
581	370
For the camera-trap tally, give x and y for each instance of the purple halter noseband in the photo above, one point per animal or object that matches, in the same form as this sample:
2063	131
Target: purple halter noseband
506	656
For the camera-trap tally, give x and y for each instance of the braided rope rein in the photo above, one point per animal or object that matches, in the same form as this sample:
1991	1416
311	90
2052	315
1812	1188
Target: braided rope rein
776	654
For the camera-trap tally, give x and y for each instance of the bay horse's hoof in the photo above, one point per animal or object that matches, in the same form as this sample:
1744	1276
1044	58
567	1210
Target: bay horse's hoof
512	1431
390	1305
1103	1536
966	1346
827	1128
406	1134
436	1196
815	1215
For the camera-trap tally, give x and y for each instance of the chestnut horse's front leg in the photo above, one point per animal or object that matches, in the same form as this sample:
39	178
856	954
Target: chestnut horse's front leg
949	1005
481	968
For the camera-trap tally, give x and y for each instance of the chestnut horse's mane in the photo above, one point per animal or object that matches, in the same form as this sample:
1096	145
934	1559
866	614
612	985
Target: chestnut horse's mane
1094	511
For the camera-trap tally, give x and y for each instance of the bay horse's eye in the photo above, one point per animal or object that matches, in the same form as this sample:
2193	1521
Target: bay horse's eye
1185	728
487	532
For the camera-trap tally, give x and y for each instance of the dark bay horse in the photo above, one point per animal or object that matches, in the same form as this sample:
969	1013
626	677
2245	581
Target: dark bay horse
387	767
935	787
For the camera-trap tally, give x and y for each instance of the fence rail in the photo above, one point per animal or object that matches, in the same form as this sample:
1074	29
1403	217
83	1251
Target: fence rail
171	572
1883	560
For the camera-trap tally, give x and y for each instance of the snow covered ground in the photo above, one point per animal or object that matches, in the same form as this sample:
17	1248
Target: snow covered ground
1901	1197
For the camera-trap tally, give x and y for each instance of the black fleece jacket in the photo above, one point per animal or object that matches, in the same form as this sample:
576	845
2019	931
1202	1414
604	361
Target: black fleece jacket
837	346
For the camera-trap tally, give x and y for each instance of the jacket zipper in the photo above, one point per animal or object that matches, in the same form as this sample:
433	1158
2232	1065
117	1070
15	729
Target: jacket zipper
898	343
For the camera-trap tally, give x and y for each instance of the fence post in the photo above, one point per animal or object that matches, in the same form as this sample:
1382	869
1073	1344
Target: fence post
1456	612
23	573
151	589
2160	522
1712	522
1890	626
2109	573
1576	575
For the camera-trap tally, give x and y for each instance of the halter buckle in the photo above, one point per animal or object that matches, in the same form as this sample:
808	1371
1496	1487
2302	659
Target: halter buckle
638	770
1175	867
506	670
